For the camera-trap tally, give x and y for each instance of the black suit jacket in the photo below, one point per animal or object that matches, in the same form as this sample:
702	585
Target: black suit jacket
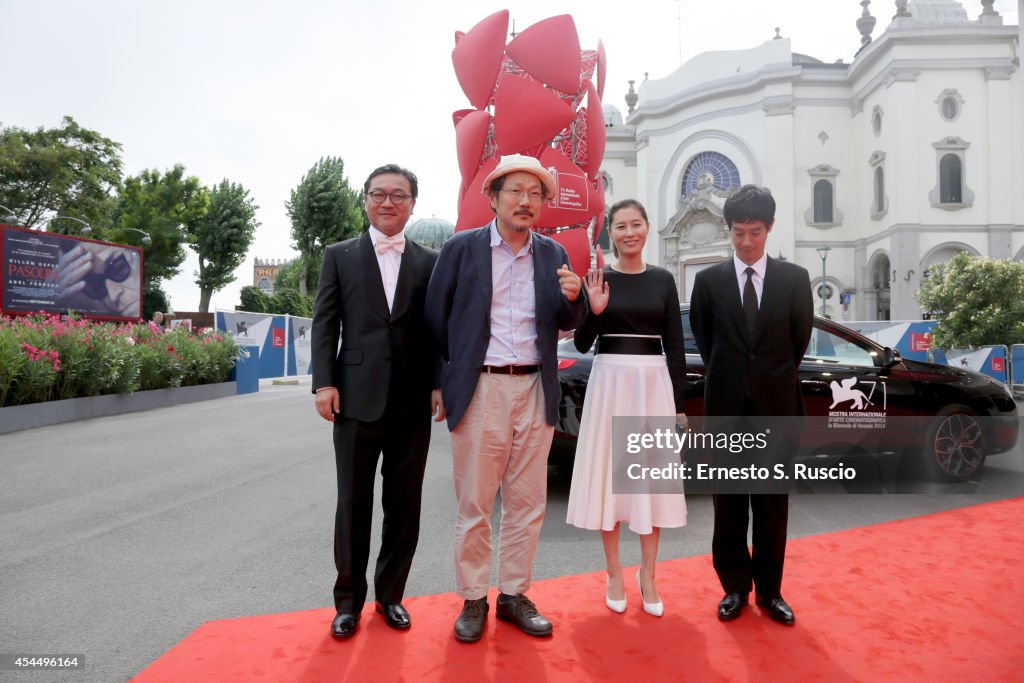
763	365
379	350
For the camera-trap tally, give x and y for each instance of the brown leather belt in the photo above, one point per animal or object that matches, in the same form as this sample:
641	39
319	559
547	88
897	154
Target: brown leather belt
639	346
510	369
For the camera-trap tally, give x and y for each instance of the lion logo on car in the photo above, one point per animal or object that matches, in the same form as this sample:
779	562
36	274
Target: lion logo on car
844	391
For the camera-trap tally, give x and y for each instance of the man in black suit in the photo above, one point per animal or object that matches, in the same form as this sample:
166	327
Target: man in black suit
379	389
751	317
497	299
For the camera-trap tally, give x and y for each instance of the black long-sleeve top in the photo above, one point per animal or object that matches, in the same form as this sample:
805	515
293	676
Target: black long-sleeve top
642	303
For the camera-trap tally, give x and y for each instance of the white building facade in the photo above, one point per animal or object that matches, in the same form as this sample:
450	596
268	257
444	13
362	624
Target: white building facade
895	162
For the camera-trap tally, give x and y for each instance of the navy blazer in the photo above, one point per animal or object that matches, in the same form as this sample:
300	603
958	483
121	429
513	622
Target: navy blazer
459	314
765	364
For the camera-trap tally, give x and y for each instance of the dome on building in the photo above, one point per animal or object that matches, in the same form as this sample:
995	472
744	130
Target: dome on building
430	232
612	116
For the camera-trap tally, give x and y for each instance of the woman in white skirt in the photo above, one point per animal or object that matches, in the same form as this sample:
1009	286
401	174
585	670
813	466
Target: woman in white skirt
634	314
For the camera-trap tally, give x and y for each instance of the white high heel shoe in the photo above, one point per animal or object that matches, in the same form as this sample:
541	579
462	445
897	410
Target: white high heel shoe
614	605
653	608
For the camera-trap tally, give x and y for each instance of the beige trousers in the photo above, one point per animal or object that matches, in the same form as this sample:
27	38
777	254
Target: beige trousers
502	442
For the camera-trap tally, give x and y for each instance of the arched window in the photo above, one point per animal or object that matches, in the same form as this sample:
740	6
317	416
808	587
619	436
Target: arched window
710	168
951	192
823	201
950	179
822	210
879	190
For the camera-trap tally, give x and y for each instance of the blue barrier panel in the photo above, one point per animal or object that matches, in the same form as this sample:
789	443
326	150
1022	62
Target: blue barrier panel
274	345
300	334
263	330
913	338
246	372
988	360
1017	363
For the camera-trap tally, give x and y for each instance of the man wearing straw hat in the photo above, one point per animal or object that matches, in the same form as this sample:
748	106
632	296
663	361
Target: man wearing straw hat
496	301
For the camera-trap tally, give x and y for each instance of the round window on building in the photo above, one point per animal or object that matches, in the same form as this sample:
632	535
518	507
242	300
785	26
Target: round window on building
710	169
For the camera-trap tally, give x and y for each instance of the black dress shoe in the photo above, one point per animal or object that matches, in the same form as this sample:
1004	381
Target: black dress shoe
518	610
470	624
395	615
777	609
344	625
731	606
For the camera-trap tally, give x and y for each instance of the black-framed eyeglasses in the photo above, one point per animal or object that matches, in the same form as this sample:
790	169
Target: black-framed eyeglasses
397	197
517	195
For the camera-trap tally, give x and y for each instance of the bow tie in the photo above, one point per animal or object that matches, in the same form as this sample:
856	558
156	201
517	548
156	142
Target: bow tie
385	244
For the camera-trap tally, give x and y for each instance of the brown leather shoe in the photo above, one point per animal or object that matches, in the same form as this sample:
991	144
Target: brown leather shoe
518	610
470	624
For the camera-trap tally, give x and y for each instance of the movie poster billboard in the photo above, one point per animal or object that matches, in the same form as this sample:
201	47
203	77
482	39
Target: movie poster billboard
54	273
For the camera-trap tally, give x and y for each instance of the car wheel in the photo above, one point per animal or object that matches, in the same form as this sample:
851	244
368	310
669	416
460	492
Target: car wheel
954	446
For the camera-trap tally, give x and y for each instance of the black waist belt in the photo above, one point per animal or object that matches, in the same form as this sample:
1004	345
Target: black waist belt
639	346
510	369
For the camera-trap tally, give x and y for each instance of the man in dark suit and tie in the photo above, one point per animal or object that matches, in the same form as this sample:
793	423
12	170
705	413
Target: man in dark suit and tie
497	299
751	317
379	389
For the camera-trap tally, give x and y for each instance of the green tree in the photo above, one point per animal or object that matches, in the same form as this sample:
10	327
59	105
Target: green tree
324	209
976	301
288	275
291	302
159	204
68	170
253	300
221	237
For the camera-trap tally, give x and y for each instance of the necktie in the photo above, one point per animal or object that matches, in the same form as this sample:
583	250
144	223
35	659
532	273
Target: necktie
750	300
385	244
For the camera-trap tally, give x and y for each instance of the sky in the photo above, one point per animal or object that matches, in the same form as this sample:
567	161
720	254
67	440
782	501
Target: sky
257	91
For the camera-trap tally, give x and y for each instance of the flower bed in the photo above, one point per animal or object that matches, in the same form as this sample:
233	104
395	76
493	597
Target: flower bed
45	358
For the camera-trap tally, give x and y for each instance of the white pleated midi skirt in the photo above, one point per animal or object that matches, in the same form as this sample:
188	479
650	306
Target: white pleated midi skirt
620	385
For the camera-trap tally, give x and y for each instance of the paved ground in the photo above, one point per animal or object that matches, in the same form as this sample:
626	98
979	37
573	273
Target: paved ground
120	535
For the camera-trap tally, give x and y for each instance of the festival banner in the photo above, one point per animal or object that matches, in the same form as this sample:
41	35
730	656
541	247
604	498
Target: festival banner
302	335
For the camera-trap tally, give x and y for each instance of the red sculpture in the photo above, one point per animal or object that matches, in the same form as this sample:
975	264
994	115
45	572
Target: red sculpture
535	87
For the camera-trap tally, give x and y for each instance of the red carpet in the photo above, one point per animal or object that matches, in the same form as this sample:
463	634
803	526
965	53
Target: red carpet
933	598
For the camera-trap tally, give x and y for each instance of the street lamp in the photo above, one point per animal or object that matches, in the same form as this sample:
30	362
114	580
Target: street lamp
146	239
85	230
823	253
10	217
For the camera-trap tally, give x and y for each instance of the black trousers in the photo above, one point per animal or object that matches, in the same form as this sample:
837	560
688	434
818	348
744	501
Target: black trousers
737	567
402	438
